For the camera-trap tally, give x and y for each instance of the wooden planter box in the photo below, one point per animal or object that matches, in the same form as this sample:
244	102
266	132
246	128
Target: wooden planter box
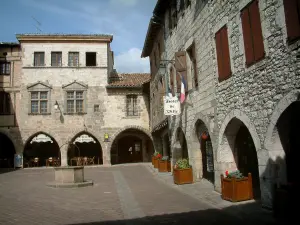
155	162
183	176
164	166
236	190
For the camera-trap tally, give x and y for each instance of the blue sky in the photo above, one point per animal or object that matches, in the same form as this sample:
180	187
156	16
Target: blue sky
127	20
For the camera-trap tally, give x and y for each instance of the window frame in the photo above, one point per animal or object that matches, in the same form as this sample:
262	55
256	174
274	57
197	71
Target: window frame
39	100
58	62
86	56
69	59
6	70
38	59
5	108
132	101
75	100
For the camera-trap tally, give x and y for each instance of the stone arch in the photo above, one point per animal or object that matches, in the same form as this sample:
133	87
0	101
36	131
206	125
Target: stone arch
123	147
90	148
7	151
200	147
246	121
12	139
180	147
32	150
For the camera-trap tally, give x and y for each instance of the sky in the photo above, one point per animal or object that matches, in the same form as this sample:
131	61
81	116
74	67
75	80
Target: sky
126	20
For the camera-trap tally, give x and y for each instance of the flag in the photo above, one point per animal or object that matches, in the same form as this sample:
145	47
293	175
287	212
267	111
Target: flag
182	90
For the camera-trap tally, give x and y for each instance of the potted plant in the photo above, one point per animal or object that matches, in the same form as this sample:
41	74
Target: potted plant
164	164
182	172
236	187
155	159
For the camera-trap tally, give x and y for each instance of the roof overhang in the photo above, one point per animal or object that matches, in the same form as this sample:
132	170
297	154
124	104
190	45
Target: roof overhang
64	38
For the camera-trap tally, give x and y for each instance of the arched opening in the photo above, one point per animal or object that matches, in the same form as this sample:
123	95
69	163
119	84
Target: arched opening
243	151
7	152
84	149
167	146
180	149
131	146
41	150
206	151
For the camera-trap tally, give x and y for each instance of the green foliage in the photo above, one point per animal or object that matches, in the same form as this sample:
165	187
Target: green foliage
165	158
235	174
182	164
155	153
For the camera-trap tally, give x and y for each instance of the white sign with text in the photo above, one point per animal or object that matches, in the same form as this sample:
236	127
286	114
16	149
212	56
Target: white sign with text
171	106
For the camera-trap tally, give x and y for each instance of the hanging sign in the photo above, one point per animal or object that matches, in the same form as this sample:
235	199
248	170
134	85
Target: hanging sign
41	138
84	138
171	106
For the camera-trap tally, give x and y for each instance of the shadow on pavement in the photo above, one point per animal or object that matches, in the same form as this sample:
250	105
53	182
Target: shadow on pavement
231	215
7	170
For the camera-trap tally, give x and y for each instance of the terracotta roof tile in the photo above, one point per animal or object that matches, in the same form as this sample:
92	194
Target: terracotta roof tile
129	80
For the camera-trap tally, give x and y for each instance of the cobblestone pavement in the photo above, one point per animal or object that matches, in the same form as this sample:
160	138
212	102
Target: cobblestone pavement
128	194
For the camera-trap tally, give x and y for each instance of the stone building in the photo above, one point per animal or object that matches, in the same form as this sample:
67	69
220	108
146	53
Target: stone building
240	61
10	75
73	103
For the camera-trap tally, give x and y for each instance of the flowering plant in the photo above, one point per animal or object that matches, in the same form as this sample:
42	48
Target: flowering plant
165	158
182	164
157	155
234	174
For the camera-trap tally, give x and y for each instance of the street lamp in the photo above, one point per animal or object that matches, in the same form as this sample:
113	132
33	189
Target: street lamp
56	106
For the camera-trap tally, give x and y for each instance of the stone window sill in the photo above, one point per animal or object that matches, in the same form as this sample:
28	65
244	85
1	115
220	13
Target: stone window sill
75	114
39	114
131	117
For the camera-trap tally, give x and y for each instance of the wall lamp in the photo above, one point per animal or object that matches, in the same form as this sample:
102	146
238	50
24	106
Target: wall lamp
56	106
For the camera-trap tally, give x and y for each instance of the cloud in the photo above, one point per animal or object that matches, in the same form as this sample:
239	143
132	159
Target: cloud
124	2
131	62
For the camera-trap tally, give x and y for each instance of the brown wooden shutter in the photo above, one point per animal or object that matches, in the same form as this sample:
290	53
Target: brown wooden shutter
258	43
180	65
172	81
225	53
247	37
162	41
219	54
292	19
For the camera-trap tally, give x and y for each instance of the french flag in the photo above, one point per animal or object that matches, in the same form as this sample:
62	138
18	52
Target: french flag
182	90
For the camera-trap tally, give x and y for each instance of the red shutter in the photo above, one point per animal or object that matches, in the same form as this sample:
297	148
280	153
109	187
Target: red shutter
219	54
225	53
292	19
180	65
247	37
258	43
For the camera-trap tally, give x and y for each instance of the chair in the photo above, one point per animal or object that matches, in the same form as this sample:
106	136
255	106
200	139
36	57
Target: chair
36	161
85	160
90	161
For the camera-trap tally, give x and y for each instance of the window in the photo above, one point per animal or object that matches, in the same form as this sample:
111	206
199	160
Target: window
192	55
73	59
4	103
181	69
223	57
137	146
39	59
4	68
56	58
131	105
39	102
292	18
75	100
252	32
90	58
96	108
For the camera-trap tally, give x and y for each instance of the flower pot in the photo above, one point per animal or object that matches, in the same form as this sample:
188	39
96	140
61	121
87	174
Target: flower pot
164	166
236	190
183	176
155	162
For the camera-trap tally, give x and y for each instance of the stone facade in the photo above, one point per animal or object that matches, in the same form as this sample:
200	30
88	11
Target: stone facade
104	109
254	96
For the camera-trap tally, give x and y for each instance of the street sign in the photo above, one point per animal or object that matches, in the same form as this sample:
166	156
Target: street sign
171	106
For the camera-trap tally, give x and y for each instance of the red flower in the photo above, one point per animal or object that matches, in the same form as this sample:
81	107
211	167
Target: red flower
226	173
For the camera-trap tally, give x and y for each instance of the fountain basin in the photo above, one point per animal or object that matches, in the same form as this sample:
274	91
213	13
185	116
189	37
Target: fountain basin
69	177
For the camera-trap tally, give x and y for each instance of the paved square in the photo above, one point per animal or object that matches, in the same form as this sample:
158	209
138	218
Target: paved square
120	195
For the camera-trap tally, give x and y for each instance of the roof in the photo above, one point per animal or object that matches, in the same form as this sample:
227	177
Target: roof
129	80
154	28
61	36
5	44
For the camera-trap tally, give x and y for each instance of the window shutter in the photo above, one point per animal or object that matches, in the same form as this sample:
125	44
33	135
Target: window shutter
292	19
180	65
247	37
172	81
225	53
219	54
258	43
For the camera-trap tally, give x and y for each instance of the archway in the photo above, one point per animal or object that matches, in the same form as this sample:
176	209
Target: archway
39	148
206	149
84	146
131	146
167	146
180	148
239	144
7	152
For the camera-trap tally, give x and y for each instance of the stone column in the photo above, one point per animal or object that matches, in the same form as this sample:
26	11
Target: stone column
144	147
106	155
64	155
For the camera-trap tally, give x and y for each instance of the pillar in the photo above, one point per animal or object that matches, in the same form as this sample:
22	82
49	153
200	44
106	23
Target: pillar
64	155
